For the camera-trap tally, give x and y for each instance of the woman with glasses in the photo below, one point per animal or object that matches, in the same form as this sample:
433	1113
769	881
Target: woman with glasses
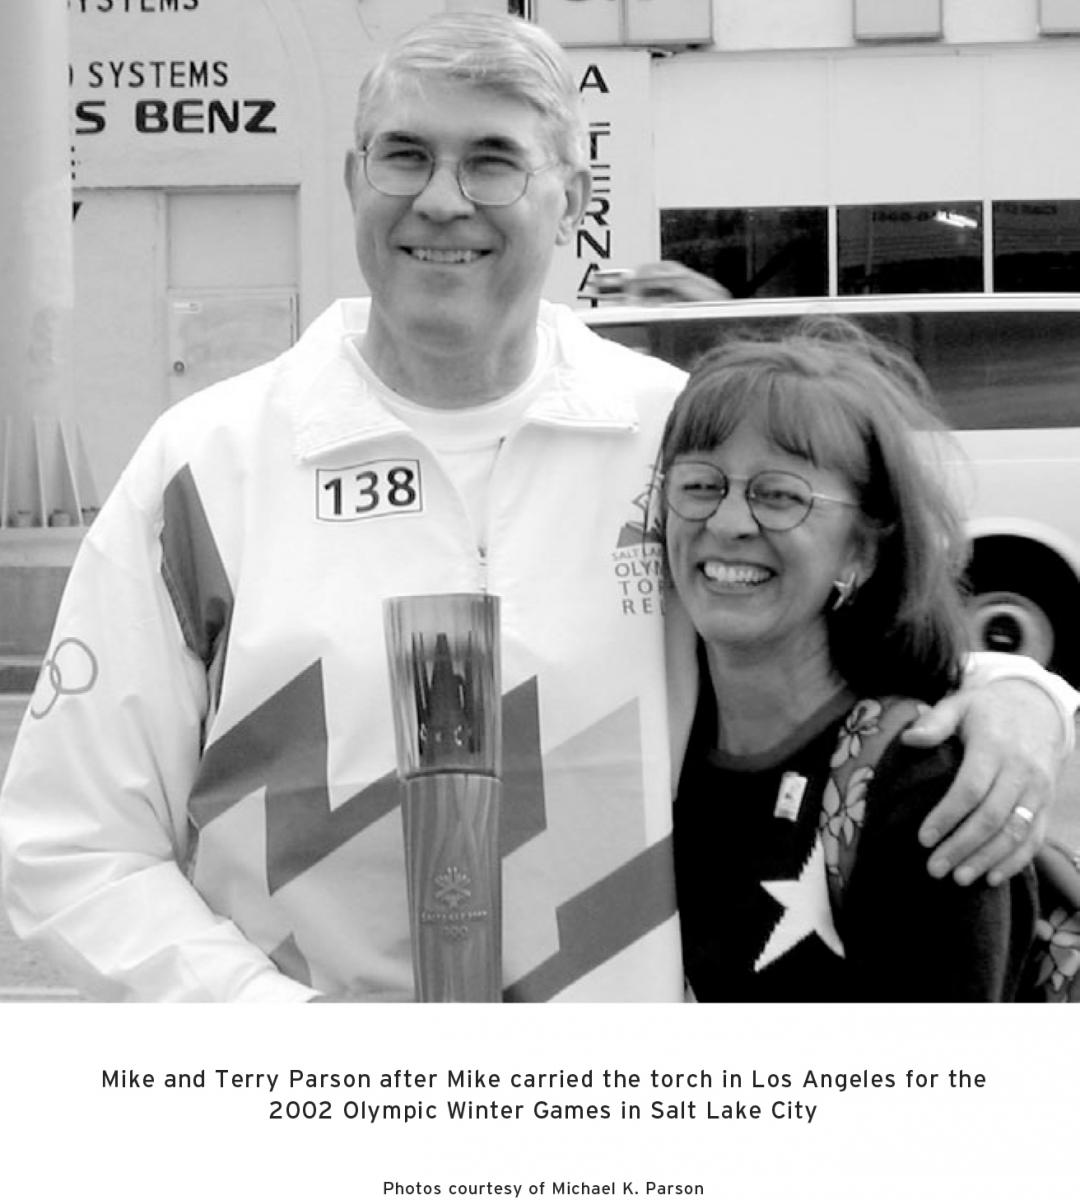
817	555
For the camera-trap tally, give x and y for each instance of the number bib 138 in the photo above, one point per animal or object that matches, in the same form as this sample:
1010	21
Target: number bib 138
373	489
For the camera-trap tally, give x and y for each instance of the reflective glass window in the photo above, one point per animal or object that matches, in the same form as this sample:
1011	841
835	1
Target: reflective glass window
989	370
895	248
1037	246
752	252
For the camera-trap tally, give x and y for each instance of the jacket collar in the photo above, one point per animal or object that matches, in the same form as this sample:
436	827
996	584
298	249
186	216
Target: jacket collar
332	406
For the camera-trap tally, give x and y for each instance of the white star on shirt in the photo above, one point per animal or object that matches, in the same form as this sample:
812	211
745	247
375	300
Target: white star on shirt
806	910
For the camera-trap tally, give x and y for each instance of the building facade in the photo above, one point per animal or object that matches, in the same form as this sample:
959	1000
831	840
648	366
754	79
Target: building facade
782	147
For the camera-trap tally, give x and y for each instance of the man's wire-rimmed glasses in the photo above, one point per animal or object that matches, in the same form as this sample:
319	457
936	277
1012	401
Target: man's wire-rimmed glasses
778	500
489	178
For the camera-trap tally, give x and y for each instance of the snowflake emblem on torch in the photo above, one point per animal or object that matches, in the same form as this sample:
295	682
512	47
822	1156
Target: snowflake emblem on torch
452	887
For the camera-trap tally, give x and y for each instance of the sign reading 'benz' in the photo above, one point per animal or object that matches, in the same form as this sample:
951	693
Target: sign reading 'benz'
151	80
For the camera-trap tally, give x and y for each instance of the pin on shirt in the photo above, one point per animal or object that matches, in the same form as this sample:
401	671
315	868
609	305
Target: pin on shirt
790	796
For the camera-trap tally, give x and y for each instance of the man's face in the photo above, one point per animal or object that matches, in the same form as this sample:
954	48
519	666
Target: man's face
442	269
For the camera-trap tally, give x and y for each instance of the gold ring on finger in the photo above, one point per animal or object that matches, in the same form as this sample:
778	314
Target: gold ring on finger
1019	827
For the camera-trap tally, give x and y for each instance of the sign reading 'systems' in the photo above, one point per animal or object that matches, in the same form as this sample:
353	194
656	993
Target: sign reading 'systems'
182	93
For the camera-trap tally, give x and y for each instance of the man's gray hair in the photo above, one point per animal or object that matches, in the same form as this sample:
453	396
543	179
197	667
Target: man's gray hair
506	54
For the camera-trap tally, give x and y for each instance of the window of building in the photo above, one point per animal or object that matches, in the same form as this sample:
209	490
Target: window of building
897	20
676	23
752	251
572	23
1036	245
679	22
909	248
881	249
1059	16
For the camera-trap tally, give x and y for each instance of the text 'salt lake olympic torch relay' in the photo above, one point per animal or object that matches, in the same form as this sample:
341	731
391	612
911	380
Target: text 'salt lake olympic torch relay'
447	696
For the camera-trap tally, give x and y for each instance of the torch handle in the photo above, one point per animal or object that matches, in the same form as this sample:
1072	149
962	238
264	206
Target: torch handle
454	877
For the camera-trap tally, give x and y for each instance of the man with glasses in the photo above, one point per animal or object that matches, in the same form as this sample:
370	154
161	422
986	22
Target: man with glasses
215	818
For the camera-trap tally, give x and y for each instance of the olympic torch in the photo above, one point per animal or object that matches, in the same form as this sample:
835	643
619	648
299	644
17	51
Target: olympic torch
447	701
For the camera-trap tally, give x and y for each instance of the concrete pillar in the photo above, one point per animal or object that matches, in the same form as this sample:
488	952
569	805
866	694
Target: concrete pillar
39	447
37	297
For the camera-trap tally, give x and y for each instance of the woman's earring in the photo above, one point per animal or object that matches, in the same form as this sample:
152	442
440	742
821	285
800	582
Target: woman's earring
845	590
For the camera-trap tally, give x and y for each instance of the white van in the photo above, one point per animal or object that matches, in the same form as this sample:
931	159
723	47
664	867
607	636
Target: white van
1006	369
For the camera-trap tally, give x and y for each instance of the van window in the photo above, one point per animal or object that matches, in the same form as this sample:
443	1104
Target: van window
989	370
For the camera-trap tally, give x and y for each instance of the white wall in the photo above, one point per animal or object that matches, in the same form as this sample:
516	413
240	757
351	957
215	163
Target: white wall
735	131
781	24
753	123
119	324
881	124
806	24
990	20
1032	106
307	61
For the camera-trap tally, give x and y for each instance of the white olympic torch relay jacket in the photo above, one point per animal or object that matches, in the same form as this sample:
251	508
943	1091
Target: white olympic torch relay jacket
202	802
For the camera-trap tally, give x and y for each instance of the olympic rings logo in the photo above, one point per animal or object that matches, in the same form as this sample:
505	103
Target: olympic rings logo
71	671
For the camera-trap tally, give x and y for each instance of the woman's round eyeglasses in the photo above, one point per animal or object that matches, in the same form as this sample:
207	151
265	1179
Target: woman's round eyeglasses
778	500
